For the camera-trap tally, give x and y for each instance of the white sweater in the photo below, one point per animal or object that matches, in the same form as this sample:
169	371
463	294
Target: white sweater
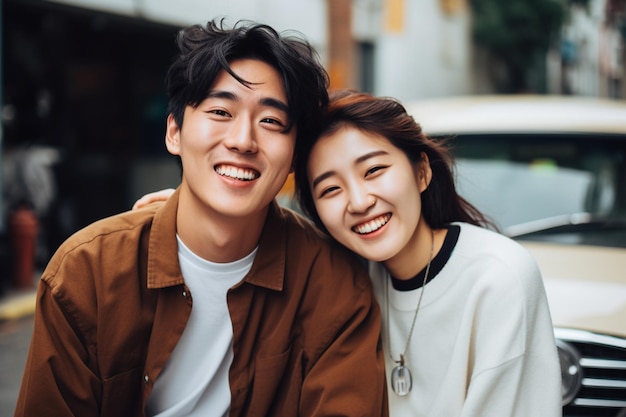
483	343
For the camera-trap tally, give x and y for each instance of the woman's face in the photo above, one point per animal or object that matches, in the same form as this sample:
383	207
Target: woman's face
367	193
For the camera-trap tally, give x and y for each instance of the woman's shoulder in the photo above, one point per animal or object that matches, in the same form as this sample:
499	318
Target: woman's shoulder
494	251
481	239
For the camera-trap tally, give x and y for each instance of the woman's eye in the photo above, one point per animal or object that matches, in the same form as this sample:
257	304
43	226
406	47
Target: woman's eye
328	190
375	169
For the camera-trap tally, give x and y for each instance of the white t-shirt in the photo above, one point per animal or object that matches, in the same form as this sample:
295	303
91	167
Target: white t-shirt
194	381
483	343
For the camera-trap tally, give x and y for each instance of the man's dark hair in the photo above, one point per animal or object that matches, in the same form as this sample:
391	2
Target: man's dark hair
207	50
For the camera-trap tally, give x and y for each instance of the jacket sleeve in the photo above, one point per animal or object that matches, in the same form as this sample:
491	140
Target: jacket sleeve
57	379
347	376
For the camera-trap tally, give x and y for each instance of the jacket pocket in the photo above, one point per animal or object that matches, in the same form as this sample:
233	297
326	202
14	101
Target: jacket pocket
122	394
269	386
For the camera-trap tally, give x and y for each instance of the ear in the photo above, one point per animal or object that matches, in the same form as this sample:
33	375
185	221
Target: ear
424	172
172	136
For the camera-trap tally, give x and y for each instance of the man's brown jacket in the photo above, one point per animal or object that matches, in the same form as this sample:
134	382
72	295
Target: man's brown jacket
112	304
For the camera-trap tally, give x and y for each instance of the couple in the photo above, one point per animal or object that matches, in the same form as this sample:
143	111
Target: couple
272	317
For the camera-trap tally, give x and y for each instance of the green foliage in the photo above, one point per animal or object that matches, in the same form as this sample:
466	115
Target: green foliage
517	33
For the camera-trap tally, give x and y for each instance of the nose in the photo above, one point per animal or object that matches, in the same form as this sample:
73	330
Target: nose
360	201
241	137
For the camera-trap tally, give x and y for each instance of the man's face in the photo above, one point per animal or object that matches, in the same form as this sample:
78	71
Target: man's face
235	153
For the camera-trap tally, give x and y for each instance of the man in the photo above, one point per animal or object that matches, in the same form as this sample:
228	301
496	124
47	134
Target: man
218	302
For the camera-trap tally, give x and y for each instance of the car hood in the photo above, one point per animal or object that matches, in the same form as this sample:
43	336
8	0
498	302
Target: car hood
586	285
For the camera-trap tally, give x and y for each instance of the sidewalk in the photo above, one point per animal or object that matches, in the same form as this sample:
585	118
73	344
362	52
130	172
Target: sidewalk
16	304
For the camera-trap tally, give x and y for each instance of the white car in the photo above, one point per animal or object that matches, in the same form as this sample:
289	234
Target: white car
551	172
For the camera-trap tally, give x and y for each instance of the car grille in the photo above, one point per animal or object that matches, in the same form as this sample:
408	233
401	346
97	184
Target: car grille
602	362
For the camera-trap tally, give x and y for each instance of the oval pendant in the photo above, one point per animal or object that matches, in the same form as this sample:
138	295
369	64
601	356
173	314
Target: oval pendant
401	380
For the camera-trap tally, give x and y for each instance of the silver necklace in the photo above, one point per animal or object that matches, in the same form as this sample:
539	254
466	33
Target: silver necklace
401	377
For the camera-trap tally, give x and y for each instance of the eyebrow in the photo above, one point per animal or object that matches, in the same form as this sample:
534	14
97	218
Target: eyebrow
359	160
369	155
322	177
265	101
277	104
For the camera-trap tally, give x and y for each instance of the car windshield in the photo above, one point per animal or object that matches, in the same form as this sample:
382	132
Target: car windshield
540	182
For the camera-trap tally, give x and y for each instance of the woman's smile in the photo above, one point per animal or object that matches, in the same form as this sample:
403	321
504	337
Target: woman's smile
373	225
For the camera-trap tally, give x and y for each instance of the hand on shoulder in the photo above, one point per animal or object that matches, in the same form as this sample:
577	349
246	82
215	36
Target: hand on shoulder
161	195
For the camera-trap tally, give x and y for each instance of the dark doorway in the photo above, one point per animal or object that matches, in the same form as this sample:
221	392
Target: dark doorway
89	85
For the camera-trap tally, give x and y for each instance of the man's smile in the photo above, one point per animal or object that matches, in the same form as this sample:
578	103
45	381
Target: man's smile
243	174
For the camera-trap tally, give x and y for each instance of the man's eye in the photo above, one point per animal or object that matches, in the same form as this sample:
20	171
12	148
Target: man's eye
273	121
220	112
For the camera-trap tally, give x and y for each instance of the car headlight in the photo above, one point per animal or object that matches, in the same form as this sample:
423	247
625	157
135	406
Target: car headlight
571	373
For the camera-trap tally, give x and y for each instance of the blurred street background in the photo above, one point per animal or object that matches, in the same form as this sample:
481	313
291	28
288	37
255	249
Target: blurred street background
14	340
83	104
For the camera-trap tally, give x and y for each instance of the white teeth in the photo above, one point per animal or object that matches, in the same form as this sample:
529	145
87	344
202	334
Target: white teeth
237	173
372	225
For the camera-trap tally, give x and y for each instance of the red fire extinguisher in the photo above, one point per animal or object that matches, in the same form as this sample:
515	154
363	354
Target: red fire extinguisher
23	230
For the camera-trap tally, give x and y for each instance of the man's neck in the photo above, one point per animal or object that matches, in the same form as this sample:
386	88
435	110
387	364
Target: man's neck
218	239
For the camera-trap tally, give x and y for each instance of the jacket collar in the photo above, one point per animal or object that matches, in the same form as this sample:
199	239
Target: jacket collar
163	266
268	269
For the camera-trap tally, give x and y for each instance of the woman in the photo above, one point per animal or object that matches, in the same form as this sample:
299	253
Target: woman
466	324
